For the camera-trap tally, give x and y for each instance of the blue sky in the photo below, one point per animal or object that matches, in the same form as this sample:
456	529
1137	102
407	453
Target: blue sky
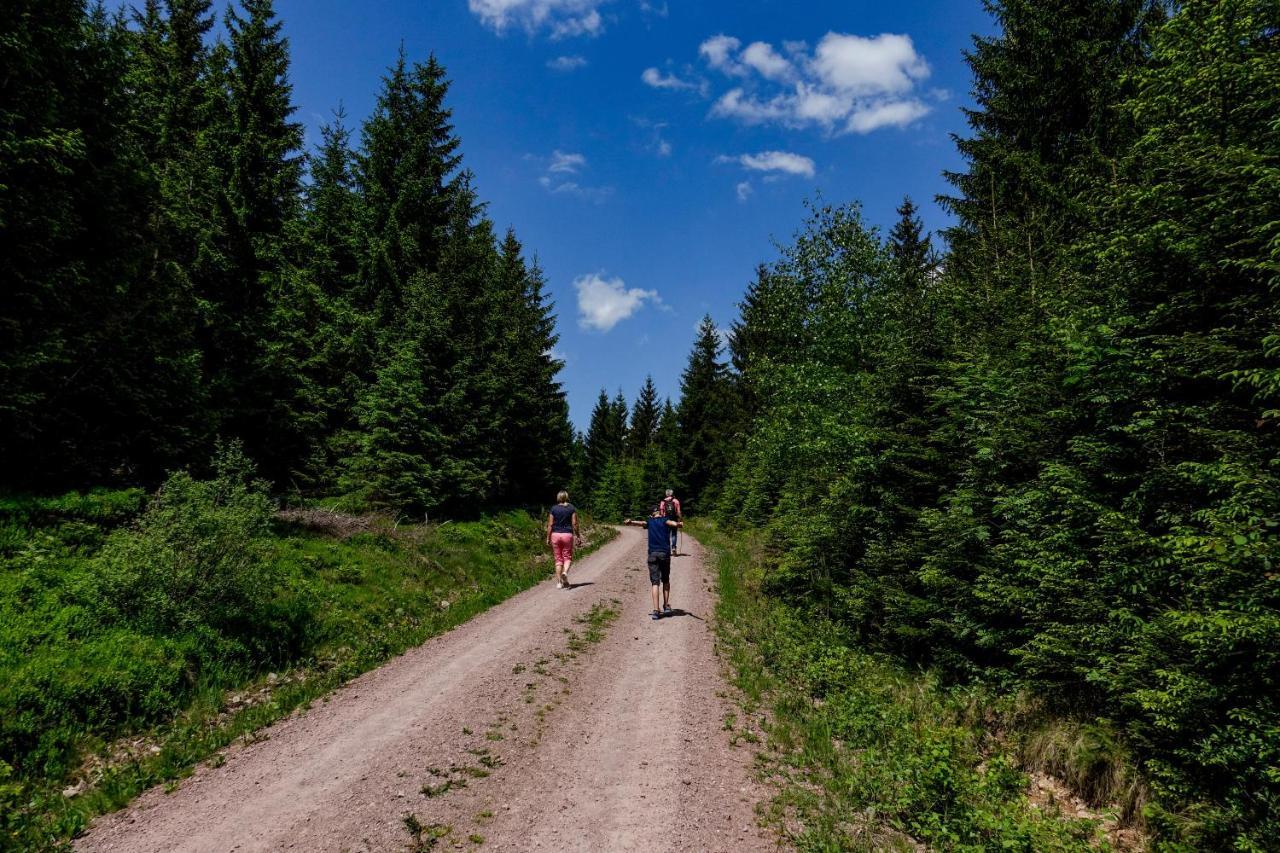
649	152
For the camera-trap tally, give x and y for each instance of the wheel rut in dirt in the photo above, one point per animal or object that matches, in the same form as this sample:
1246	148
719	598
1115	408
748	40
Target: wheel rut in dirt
560	719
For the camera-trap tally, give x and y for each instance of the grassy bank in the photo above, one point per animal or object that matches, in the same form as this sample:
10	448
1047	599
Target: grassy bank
869	756
140	636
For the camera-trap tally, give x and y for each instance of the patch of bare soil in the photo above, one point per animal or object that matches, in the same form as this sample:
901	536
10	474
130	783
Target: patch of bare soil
558	720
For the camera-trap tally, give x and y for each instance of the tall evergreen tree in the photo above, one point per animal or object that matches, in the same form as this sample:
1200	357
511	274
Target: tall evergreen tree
600	443
645	413
910	247
97	374
704	415
407	173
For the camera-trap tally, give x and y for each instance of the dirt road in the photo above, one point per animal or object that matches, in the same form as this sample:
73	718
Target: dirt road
559	720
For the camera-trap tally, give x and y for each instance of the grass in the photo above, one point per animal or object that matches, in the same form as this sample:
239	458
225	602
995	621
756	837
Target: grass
867	755
96	703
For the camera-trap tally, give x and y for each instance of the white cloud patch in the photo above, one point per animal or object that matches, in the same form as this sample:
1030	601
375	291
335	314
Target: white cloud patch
884	65
767	62
560	18
657	142
560	173
886	114
846	84
566	162
744	190
567	63
655	78
784	162
605	302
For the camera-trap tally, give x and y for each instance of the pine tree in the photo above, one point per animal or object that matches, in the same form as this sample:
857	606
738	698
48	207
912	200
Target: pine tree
644	420
535	416
911	249
263	178
97	375
706	407
598	444
407	173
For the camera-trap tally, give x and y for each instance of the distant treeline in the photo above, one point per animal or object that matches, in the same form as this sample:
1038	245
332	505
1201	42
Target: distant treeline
1050	458
176	270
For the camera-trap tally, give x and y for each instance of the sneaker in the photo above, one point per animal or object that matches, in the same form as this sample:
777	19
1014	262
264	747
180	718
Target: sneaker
666	610
559	585
655	615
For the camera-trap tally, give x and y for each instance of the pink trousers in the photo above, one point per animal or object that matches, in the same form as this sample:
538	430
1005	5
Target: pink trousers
562	546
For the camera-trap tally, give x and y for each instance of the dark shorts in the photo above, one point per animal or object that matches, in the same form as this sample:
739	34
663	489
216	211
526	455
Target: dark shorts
659	567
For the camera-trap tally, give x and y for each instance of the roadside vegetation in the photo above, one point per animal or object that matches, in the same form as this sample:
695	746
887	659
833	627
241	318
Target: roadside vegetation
1044	457
866	754
141	634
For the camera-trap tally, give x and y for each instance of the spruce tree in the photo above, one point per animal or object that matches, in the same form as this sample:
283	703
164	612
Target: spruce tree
599	447
644	420
263	177
911	248
98	379
705	417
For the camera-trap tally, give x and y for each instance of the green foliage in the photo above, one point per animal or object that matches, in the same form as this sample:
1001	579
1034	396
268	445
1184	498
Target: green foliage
109	628
869	756
197	560
1053	466
174	281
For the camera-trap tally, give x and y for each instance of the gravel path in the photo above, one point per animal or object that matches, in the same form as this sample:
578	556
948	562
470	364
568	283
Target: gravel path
558	720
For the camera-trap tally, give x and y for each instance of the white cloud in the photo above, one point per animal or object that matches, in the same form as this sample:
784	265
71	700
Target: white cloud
719	50
884	65
847	84
588	24
766	61
773	161
566	162
744	190
560	177
562	18
566	63
887	114
662	148
605	302
657	10
655	78
737	104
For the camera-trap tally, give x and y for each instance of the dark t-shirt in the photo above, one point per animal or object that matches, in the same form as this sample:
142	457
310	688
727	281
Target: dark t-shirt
562	518
659	536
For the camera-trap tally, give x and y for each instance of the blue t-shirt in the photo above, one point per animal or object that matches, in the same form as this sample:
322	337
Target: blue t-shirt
562	518
659	535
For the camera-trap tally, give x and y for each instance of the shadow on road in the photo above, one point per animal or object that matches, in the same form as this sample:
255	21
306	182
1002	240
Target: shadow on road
581	583
676	611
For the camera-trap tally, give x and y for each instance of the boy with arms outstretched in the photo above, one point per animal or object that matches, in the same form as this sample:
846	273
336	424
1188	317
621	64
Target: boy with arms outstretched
659	527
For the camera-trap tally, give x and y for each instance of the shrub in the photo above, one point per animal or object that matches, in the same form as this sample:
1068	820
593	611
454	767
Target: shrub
198	559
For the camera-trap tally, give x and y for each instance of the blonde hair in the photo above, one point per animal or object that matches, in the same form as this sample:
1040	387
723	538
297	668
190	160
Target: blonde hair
562	497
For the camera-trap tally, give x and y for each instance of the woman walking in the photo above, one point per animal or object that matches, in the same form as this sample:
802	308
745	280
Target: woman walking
562	533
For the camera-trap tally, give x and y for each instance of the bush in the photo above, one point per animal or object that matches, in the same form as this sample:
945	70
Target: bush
198	560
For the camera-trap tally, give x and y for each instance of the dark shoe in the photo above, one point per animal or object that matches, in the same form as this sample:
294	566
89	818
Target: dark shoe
655	615
666	611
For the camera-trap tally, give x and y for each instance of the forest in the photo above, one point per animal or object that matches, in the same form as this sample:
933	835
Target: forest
1037	453
179	271
1046	455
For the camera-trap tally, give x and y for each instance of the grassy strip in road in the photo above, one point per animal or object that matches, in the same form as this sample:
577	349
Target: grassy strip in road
867	755
101	699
